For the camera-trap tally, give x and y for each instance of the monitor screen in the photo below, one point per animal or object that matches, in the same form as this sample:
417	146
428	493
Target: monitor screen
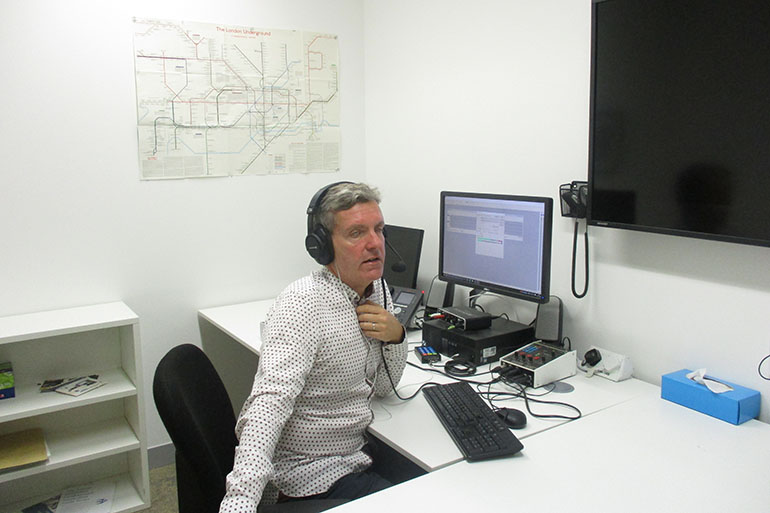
408	243
497	242
680	118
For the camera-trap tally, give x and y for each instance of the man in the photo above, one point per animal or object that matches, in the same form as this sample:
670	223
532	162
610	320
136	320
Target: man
331	342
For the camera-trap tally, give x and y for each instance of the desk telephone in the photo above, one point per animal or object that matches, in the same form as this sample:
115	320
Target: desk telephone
405	303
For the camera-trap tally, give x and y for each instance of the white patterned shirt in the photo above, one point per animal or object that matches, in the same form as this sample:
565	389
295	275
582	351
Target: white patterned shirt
302	428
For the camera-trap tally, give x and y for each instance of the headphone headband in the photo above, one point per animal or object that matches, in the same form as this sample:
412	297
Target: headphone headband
315	204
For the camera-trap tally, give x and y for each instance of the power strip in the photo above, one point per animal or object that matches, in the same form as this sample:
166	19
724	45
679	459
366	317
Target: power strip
542	363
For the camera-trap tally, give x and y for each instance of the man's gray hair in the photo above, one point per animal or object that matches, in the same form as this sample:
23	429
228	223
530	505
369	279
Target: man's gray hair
342	197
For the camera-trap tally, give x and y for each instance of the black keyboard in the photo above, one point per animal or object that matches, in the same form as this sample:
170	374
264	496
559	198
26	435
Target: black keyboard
476	430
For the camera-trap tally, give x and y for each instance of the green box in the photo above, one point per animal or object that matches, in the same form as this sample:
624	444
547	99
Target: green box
7	389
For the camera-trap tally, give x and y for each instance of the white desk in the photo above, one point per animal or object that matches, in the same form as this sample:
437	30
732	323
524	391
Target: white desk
241	321
231	338
643	455
409	427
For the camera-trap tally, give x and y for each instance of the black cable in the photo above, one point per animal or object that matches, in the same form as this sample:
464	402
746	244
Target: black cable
759	368
472	303
427	309
460	368
473	297
437	371
552	387
522	393
515	377
574	258
419	389
527	399
393	384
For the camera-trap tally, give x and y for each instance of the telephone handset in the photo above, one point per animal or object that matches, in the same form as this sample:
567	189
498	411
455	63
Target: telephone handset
405	303
574	199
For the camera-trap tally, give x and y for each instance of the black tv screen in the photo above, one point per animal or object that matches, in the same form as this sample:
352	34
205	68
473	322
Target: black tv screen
680	118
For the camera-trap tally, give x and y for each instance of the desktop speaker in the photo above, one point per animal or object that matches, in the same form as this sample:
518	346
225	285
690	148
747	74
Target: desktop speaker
548	322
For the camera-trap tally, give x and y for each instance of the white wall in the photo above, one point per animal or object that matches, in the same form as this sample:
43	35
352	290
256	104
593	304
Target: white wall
493	96
77	225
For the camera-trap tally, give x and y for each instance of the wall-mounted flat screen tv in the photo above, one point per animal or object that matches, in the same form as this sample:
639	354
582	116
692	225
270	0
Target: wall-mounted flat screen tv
680	118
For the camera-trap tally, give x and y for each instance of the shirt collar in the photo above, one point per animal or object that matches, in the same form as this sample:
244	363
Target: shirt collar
351	294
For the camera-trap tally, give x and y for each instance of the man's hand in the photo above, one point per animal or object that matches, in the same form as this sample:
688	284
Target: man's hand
376	322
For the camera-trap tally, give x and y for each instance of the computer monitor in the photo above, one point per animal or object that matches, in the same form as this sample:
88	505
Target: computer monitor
497	242
408	244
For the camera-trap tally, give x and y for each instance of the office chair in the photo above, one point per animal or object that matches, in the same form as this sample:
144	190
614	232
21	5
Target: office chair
195	409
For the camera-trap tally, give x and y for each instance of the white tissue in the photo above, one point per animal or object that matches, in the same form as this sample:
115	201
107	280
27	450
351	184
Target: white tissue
699	376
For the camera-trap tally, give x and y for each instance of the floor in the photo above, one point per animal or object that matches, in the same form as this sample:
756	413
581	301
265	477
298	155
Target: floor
163	490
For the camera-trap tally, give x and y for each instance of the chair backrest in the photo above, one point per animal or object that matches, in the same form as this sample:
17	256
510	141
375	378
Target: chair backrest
196	411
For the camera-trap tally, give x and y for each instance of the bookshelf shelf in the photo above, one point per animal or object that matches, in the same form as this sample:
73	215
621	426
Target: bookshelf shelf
31	402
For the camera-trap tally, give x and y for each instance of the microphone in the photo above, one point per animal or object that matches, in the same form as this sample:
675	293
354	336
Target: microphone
399	266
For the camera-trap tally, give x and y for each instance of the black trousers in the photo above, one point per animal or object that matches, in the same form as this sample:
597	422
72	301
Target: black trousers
389	468
349	487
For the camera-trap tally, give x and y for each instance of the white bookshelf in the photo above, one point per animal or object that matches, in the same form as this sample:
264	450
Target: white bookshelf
98	436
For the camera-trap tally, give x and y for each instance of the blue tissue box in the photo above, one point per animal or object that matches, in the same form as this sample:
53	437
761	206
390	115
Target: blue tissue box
737	406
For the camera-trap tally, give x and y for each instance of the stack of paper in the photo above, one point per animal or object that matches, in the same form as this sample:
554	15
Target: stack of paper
72	386
93	498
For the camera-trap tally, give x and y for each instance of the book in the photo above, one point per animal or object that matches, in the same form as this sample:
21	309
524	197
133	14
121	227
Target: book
7	386
50	385
80	386
22	448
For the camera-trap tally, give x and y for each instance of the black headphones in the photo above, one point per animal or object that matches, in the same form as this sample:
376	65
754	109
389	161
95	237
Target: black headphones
318	241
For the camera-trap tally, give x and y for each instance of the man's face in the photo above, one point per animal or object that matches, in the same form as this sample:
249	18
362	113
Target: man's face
359	245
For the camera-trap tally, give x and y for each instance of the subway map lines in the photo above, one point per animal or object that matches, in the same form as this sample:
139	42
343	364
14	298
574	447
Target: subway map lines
215	100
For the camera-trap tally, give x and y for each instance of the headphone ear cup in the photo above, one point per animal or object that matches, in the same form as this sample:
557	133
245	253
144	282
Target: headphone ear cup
318	241
319	245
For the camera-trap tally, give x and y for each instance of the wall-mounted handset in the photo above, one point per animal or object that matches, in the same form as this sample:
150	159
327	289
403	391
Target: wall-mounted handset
574	199
574	203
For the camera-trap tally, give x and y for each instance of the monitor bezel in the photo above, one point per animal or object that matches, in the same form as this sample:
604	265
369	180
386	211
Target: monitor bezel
545	263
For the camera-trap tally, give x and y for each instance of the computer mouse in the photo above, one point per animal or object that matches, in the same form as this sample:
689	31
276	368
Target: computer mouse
514	419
